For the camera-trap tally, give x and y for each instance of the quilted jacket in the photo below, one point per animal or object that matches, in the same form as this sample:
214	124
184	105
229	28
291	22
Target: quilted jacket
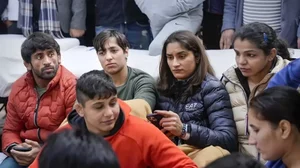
239	102
208	111
32	117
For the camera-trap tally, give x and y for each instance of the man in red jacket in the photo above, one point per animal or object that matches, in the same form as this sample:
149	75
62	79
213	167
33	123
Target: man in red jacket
137	143
39	101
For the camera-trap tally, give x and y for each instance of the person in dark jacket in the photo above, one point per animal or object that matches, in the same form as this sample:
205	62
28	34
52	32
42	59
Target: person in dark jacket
126	17
195	105
3	4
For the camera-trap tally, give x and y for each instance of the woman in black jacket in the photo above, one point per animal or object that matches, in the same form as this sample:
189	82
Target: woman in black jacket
195	105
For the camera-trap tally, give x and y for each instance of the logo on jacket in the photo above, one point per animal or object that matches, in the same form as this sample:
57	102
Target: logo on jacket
192	106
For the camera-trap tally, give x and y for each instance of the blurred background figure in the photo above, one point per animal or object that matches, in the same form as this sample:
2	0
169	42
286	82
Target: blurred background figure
77	149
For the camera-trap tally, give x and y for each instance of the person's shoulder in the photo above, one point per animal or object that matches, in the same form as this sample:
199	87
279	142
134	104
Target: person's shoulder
143	130
67	77
211	82
139	74
19	85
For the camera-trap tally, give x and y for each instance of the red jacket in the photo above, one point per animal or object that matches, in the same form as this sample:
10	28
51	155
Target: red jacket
34	118
138	144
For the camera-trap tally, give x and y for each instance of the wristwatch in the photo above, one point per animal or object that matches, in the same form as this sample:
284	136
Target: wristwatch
185	129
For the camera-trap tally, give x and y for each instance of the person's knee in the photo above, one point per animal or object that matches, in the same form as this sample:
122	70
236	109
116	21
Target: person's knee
155	48
10	162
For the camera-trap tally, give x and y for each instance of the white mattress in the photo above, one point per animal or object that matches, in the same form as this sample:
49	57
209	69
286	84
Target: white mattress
80	59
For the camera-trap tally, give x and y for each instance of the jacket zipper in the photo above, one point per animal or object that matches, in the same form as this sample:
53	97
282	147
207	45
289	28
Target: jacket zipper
36	110
247	130
245	95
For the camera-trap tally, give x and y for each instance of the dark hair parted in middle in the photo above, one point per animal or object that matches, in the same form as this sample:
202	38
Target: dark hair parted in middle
101	39
94	84
192	43
264	37
276	104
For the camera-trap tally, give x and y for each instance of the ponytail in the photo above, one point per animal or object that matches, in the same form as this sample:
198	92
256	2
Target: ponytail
282	49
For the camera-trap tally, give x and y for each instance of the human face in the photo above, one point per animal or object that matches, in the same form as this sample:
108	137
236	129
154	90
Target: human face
100	115
267	139
113	59
44	64
181	61
250	60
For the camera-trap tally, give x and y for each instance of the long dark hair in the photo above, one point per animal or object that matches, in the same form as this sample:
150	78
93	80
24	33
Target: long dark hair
192	43
264	37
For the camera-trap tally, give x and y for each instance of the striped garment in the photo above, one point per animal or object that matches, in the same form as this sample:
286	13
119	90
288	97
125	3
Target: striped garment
48	20
265	11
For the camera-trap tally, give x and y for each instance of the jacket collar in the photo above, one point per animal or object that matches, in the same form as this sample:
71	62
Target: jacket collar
77	121
279	64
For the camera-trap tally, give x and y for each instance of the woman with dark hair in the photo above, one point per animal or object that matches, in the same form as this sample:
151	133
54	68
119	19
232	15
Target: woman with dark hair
274	120
194	104
257	51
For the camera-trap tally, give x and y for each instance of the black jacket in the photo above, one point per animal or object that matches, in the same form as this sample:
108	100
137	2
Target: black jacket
110	13
208	111
3	5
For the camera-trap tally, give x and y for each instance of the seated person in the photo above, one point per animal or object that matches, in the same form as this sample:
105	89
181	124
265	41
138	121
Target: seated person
194	104
77	149
236	160
39	100
259	55
288	76
274	120
169	16
137	143
112	50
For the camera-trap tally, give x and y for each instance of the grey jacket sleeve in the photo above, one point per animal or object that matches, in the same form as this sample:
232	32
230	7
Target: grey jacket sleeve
229	14
79	15
222	129
145	89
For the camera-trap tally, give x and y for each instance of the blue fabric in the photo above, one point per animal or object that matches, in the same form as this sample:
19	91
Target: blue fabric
208	111
3	5
9	162
138	35
288	76
275	164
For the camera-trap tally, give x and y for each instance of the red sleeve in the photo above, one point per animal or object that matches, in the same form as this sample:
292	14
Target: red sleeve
163	153
70	96
12	127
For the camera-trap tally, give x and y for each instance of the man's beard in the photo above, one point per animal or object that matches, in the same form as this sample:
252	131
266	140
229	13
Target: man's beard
44	75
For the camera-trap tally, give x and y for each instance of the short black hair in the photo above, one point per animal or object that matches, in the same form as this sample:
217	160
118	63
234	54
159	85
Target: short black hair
101	39
77	149
38	41
94	84
264	37
235	160
276	104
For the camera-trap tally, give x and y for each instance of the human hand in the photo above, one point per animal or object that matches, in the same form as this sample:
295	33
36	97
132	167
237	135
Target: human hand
226	39
76	33
171	123
8	23
26	158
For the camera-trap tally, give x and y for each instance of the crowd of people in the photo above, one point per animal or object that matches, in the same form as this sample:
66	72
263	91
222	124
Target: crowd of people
147	24
248	118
